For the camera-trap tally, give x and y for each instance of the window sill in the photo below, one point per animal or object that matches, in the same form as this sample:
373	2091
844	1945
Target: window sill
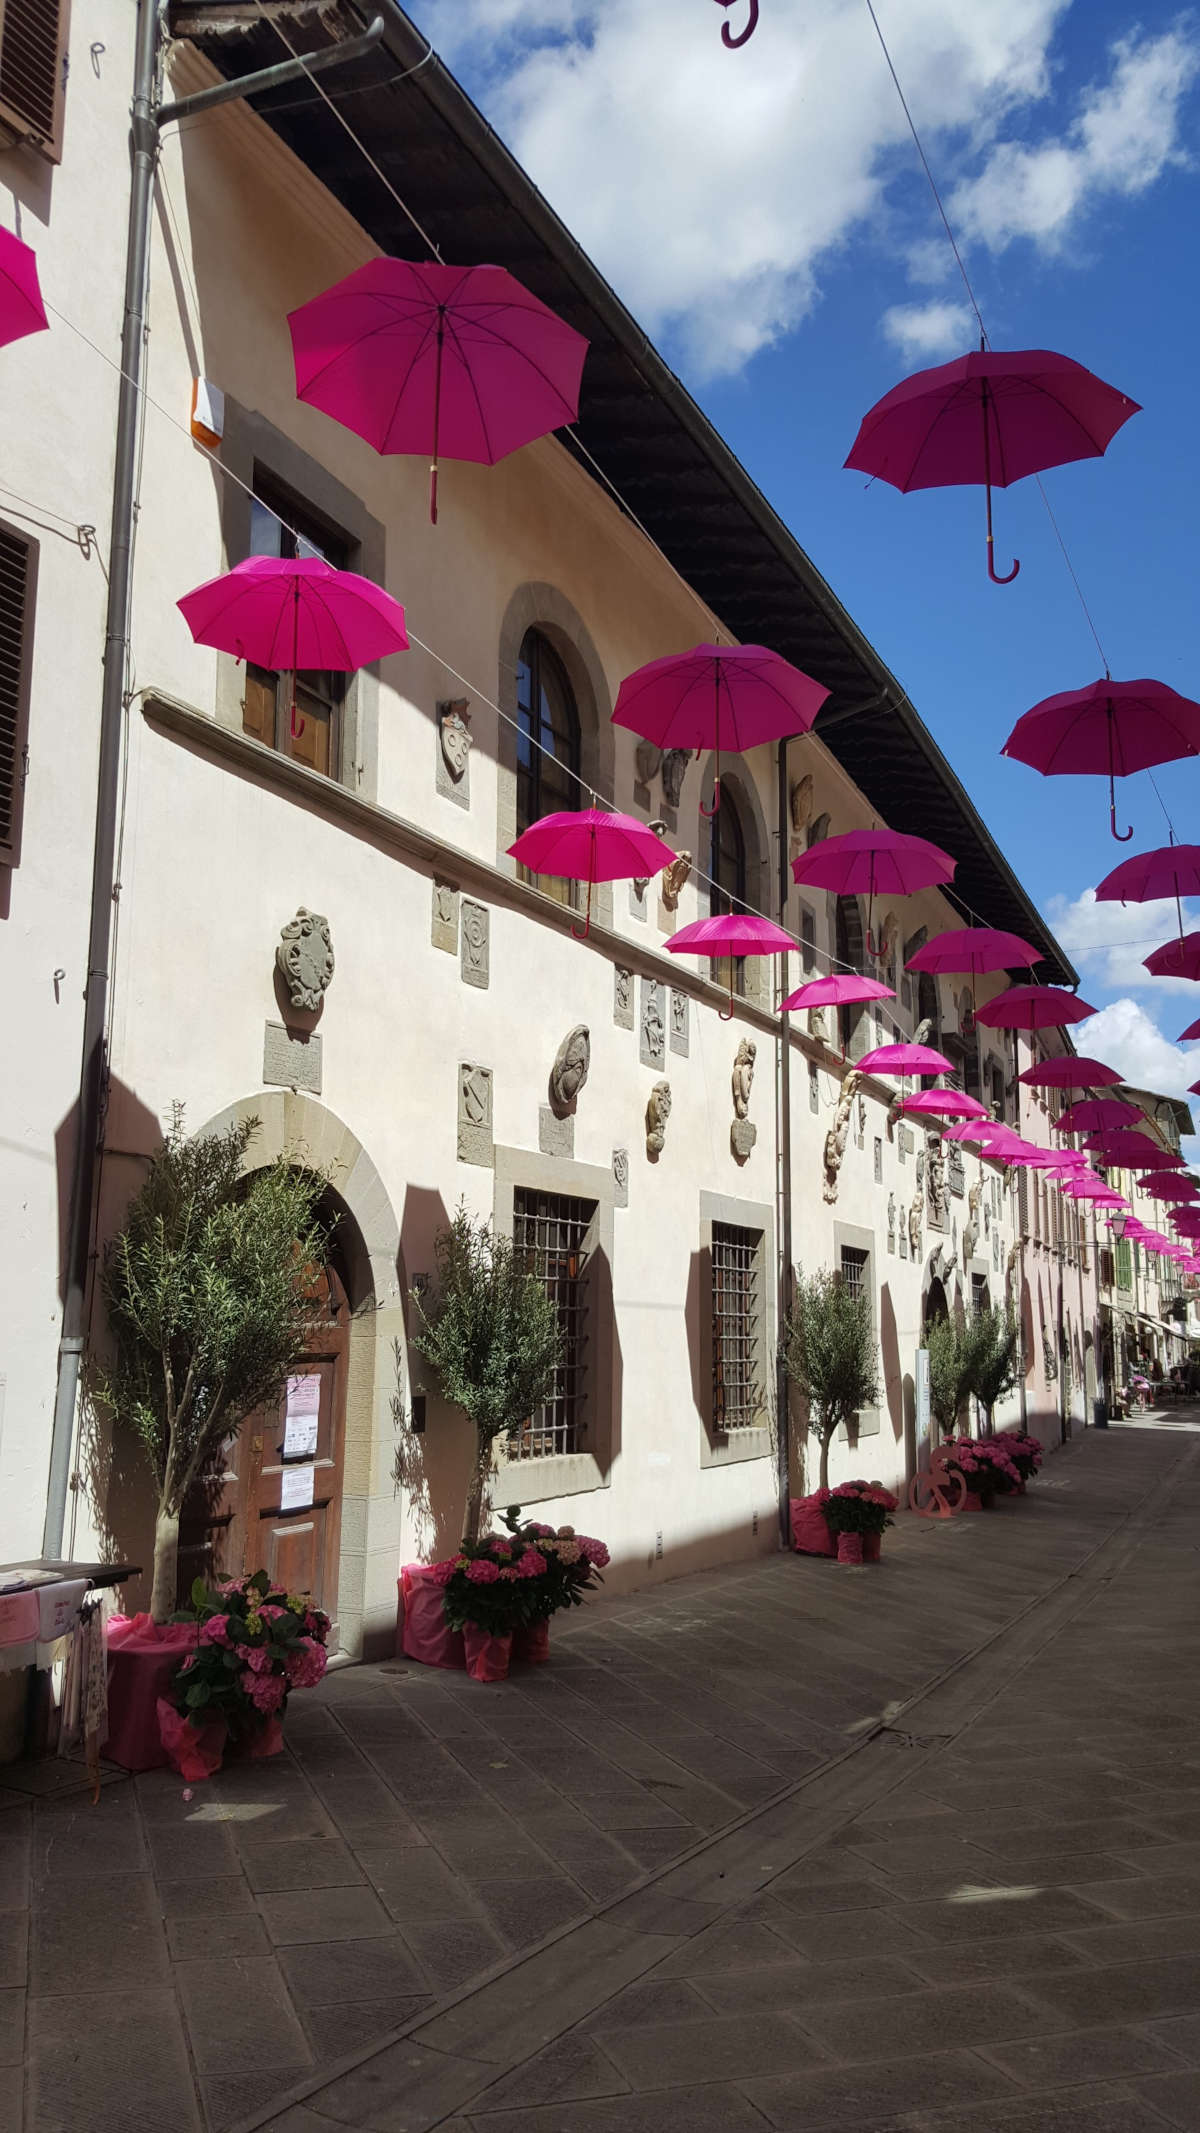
527	1481
735	1447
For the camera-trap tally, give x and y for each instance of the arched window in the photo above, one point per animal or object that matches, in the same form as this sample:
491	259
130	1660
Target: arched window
727	866
936	1306
547	743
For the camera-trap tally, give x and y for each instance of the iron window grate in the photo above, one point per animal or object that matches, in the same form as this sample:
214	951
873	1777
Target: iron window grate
550	1231
736	1327
854	1270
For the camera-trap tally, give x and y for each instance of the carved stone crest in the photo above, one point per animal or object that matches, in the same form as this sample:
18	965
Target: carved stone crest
891	1219
455	735
955	1172
305	959
620	1170
658	1111
674	879
800	801
570	1070
648	758
916	1210
674	763
743	1076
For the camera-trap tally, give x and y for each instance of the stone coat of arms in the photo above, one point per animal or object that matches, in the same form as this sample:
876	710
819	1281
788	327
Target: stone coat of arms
305	958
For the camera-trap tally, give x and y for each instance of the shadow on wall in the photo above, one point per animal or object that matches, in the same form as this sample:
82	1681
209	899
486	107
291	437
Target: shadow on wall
1027	1327
889	1349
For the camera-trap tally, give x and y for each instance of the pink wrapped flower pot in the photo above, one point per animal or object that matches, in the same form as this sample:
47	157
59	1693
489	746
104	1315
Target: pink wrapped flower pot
532	1643
195	1751
487	1656
872	1547
810	1528
850	1547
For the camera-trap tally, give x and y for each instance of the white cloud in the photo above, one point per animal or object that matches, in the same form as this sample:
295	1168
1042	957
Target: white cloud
714	187
1125	136
1110	941
925	332
1127	1038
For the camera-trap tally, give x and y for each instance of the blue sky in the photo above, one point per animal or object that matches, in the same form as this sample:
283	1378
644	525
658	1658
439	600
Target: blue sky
764	214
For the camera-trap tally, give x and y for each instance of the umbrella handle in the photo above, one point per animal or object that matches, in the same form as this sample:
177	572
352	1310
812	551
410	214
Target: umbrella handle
709	812
297	730
1121	836
996	577
731	42
576	934
725	1014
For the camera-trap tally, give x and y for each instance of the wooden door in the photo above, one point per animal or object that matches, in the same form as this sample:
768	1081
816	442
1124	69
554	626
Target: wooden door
253	1512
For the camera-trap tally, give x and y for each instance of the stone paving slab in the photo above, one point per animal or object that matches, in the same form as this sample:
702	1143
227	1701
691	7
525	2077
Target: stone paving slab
424	1832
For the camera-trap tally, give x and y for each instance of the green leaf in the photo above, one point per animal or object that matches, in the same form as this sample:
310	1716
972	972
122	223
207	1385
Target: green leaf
198	1695
232	1660
261	1583
199	1592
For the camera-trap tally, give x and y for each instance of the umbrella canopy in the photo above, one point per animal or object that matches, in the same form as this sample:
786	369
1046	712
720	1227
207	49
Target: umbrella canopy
733	934
1073	1071
1169	1188
974	949
905	1059
1132	1151
1171	870
21	308
1094	1115
1186	1036
295	612
842	988
945	1103
590	844
1186	1219
1033	1007
1111	728
992	1136
874	862
728	697
1176	959
423	358
991	417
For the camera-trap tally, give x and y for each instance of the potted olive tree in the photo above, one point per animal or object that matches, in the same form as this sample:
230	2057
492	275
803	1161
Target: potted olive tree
492	1337
208	1288
948	1347
831	1355
992	1363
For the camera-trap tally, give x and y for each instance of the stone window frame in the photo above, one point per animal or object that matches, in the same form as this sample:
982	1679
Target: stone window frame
251	441
529	1481
716	1449
736	779
542	607
869	1421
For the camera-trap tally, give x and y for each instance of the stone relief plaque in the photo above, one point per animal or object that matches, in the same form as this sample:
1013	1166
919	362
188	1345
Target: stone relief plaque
653	1045
304	959
291	1062
453	760
620	1171
444	927
954	1169
556	1133
679	1022
476	944
475	1141
623	997
572	1064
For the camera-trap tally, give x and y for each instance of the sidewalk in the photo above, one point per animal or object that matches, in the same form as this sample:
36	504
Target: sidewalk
845	1912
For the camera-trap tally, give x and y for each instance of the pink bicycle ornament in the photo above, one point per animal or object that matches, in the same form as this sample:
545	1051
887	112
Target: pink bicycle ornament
933	1486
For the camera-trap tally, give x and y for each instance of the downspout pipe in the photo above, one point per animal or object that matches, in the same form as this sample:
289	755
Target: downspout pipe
782	1401
93	1068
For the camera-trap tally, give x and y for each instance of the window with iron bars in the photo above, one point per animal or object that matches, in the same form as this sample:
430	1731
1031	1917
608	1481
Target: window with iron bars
854	1271
737	1393
550	1231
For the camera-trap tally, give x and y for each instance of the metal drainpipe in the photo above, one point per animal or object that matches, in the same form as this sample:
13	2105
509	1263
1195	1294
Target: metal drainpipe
782	1428
144	144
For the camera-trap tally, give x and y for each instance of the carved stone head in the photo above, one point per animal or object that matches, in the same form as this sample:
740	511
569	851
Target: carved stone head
570	1070
647	758
658	1111
674	879
674	763
743	1076
801	802
304	959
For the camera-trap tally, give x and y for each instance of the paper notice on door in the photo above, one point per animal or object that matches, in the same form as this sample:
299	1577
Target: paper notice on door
301	1416
296	1485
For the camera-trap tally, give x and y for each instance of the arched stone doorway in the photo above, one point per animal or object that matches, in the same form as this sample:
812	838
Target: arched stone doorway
936	1305
365	1321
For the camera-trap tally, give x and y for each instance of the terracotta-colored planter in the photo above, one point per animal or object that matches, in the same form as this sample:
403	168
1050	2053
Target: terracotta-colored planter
532	1643
872	1547
487	1656
850	1547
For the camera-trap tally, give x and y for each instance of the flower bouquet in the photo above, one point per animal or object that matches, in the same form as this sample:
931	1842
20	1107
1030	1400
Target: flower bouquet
255	1643
501	1590
1024	1451
858	1513
987	1468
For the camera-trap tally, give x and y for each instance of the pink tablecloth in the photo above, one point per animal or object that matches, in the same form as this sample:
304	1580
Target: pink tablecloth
423	1631
810	1531
142	1655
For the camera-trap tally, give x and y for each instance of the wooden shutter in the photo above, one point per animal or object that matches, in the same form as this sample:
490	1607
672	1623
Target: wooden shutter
18	583
33	72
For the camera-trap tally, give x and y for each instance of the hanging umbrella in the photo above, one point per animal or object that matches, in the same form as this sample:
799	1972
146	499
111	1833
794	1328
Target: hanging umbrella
719	696
989	417
1150	877
1176	959
1094	1115
734	933
460	362
1110	729
871	863
1161	1188
1073	1071
973	950
992	1136
842	988
1034	1007
1187	1036
590	844
905	1059
21	308
944	1103
1133	1151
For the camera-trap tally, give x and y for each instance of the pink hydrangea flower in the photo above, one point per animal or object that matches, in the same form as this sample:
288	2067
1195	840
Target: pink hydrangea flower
531	1565
266	1691
215	1630
482	1571
259	1660
441	1573
595	1552
568	1551
306	1663
271	1613
510	1573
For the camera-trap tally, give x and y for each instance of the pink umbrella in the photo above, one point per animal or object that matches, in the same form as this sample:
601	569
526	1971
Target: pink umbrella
295	612
945	1103
21	308
1161	1188
719	696
732	934
1133	1151
460	361
1150	877
1034	1007
1193	1088
590	844
871	863
1186	1036
1094	1115
988	417
904	1059
1074	1071
992	1137
1110	728
973	949
842	988
1176	959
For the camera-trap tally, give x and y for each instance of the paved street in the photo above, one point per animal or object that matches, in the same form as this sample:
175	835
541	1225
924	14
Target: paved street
784	1846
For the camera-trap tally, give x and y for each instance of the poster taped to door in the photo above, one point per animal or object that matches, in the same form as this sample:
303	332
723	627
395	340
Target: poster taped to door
301	1415
296	1484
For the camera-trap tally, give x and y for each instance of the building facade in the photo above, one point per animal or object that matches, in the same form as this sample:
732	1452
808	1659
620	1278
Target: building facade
317	924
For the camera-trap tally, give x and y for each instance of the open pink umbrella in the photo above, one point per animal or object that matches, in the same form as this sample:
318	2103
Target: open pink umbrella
1034	1007
1169	1188
1150	877
944	1103
871	863
455	362
21	308
974	949
1132	1151
590	844
991	1133
1109	729
1188	1035
905	1059
731	934
1176	959
990	417
1094	1115
719	696
842	988
1073	1071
